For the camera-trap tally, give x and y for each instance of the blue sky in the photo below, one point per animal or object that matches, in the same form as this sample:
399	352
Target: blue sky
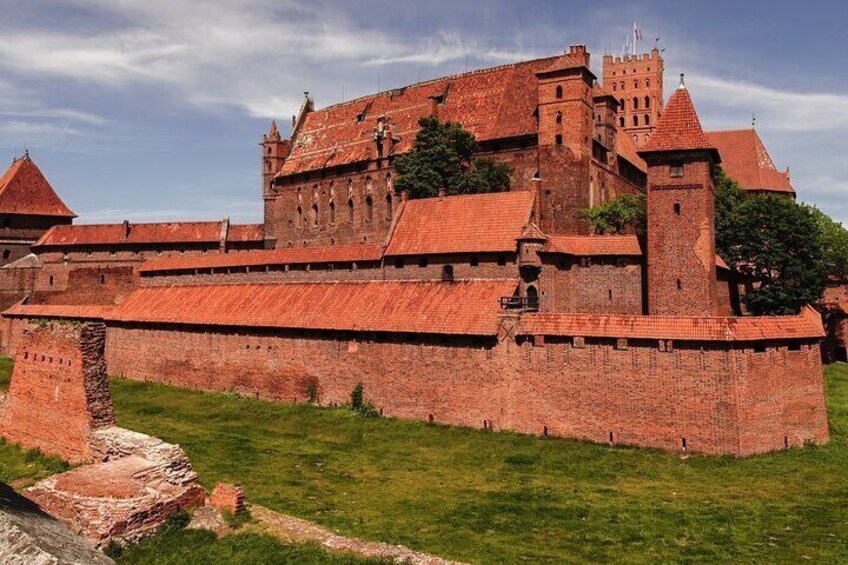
152	109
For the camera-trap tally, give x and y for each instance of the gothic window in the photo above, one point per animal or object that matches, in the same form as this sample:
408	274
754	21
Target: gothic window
559	91
621	104
390	186
647	120
389	206
332	213
647	102
559	117
558	139
299	217
635	120
369	208
677	208
102	279
532	298
635	103
621	121
350	211
50	280
315	214
614	87
635	84
679	284
647	80
621	86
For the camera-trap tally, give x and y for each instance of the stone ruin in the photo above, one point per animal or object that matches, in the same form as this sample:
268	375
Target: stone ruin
59	402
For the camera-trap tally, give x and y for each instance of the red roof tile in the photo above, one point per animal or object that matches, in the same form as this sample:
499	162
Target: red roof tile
679	128
593	245
464	307
491	103
477	223
745	159
805	325
172	232
626	147
85	312
288	256
25	190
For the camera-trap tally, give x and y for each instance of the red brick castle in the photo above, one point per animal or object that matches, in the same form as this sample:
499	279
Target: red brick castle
498	310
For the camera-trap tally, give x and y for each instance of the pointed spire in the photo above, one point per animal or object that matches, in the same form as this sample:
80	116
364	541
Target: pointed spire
682	85
274	134
679	128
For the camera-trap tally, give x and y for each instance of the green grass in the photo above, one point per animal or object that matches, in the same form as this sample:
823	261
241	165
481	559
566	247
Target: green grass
25	466
5	372
506	498
201	547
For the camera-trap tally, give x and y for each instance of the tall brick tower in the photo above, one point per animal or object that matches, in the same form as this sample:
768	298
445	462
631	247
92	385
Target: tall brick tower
681	212
637	82
274	152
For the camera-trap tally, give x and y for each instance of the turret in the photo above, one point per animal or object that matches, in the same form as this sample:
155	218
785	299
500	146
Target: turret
681	212
274	153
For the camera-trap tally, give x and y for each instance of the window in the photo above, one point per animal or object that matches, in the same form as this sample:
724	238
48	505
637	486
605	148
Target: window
389	206
369	208
614	87
559	117
475	260
350	211
50	280
332	213
315	214
447	273
676	169
622	85
679	284
635	103
635	120
621	103
6	254
559	91
621	121
677	208
647	101
558	139
647	80
299	217
647	120
635	84
102	279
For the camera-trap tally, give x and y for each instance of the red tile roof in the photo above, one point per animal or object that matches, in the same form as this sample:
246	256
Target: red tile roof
25	190
476	223
593	245
288	256
464	307
85	312
805	325
745	159
679	128
172	232
626	147
491	103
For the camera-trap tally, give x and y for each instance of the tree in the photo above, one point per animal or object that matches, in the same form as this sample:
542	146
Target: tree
728	198
773	240
833	244
442	156
615	216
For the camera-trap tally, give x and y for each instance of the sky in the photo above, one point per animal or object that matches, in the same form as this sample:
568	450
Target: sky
151	110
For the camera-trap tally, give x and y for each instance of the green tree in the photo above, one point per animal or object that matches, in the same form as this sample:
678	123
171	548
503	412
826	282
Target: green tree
442	156
615	216
773	241
833	244
728	198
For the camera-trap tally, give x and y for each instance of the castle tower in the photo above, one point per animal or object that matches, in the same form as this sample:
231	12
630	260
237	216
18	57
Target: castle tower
274	152
565	102
637	82
681	213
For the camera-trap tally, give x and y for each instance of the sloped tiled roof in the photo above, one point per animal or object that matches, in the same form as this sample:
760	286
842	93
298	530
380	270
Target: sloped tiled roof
679	128
29	261
593	245
25	190
745	159
170	232
491	103
626	147
288	256
83	312
463	307
476	223
748	328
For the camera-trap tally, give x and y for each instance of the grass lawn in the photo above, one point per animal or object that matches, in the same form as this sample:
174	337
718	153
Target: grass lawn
505	498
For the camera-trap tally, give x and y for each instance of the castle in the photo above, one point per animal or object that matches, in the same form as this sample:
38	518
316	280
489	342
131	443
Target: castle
498	310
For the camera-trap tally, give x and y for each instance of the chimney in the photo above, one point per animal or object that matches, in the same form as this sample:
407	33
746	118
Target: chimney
126	229
225	229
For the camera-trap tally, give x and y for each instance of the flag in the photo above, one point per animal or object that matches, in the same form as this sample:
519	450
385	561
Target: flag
637	33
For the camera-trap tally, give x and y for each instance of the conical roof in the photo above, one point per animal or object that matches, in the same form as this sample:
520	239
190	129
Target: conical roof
25	190
679	128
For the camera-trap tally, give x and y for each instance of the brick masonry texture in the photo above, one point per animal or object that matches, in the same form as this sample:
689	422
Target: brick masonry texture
227	497
720	398
59	392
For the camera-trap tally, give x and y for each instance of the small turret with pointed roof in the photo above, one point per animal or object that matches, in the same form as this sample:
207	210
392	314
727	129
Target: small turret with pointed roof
275	149
681	213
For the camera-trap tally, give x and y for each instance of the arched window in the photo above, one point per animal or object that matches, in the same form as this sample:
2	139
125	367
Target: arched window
389	206
558	139
635	103
447	273
559	91
532	298
315	214
390	185
647	120
635	84
635	120
648	81
369	208
299	217
350	211
647	101
332	213
621	121
621	103
621	86
614	87
559	117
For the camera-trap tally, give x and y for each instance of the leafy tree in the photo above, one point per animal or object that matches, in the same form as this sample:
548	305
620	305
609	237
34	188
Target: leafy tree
728	198
443	157
615	216
773	240
833	244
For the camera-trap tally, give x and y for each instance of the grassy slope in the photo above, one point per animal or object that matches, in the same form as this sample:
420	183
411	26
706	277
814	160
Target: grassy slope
505	498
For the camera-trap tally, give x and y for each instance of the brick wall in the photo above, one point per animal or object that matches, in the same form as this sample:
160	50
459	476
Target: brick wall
59	392
611	285
721	399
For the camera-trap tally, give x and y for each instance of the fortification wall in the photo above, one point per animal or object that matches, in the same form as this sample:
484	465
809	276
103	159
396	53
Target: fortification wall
707	397
599	285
